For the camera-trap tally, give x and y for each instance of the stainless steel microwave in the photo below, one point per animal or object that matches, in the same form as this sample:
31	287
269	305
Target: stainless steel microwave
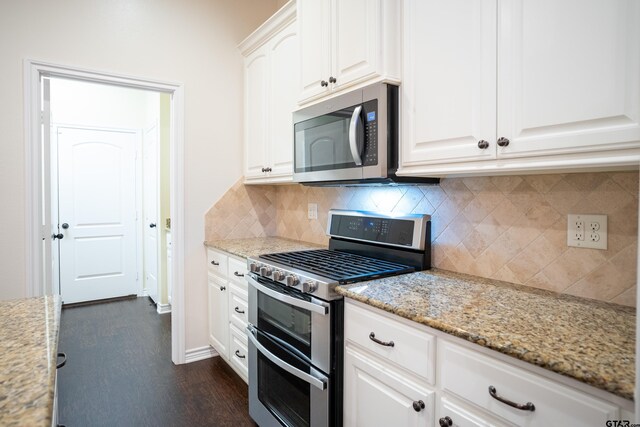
350	139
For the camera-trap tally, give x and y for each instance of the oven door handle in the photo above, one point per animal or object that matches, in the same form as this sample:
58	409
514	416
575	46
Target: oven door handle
320	383
316	308
353	137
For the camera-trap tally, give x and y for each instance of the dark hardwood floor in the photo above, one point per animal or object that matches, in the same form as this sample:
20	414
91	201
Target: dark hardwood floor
119	373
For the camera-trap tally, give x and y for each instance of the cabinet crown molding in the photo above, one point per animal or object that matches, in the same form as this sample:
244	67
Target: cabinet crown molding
285	15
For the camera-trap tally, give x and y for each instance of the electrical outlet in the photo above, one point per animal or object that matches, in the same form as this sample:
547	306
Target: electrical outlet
312	211
587	231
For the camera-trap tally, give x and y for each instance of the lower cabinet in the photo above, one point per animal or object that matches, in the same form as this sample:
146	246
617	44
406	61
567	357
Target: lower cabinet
376	394
468	386
228	309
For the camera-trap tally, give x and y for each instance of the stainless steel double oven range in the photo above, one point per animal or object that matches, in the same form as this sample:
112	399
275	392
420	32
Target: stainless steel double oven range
296	318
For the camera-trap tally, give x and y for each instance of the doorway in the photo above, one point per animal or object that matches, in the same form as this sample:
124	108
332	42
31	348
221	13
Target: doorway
107	156
38	155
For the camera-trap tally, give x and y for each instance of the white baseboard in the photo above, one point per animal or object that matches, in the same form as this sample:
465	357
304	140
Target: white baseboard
163	308
200	353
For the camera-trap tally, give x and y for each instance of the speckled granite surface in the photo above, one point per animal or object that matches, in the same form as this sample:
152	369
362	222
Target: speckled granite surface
260	245
28	349
591	341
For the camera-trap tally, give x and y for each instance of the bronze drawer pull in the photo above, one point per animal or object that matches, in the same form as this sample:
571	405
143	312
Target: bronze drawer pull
372	337
237	310
526	407
215	263
239	356
235	273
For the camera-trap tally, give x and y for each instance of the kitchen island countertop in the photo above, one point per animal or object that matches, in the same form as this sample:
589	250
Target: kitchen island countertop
28	356
588	340
255	246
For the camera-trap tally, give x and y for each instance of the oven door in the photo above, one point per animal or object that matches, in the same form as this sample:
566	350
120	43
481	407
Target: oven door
297	321
284	390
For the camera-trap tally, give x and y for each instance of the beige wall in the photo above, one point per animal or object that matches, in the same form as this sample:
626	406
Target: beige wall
190	41
510	228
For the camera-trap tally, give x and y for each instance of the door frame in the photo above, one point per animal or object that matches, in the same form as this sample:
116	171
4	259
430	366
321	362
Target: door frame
37	199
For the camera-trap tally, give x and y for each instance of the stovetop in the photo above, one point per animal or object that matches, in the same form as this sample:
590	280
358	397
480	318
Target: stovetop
337	266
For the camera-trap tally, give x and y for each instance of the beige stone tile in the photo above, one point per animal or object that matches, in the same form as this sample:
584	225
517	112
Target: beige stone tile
533	258
627	297
627	180
541	281
424	207
506	213
456	191
604	283
409	201
573	264
385	198
586	181
622	228
434	194
478	184
543	183
563	197
608	198
460	257
483	236
524	196
484	203
502	250
505	274
506	184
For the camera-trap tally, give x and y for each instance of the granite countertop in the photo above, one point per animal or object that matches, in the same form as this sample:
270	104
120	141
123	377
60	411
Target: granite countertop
28	357
591	341
255	246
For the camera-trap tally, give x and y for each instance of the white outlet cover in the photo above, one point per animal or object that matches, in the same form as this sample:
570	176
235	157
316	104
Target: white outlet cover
312	211
592	228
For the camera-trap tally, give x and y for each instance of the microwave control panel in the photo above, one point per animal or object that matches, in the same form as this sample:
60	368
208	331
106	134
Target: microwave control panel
370	112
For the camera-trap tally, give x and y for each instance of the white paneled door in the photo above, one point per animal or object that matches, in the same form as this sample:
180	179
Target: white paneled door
97	213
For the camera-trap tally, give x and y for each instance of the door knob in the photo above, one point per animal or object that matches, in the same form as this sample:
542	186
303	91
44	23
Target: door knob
152	225
65	225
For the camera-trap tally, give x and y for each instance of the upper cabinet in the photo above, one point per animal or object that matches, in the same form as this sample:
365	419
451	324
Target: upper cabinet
270	96
347	42
510	86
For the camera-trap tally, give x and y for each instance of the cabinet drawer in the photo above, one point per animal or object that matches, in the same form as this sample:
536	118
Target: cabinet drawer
237	270
461	417
413	349
469	375
238	307
238	352
217	262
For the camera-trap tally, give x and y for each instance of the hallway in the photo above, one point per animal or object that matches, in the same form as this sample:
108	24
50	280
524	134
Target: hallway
119	372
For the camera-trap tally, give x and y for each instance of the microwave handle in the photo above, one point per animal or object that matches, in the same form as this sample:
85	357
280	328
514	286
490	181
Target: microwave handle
296	302
320	383
353	137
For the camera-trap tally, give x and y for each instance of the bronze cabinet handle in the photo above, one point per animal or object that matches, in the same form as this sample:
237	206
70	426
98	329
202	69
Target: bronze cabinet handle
235	273
482	144
418	405
237	310
503	142
239	356
526	407
223	288
215	263
445	421
372	337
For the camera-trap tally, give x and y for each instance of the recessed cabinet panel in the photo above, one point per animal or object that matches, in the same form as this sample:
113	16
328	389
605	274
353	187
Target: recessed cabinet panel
255	126
313	30
568	76
376	395
284	94
357	39
449	81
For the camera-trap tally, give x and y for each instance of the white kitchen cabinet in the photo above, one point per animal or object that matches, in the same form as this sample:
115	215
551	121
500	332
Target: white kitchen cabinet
219	315
228	308
376	394
346	42
381	384
271	87
557	83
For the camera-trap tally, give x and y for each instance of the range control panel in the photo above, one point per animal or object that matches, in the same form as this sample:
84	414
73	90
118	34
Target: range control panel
404	231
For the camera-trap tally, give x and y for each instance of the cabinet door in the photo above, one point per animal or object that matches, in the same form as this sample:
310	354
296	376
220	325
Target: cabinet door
376	395
569	76
218	316
461	417
313	33
449	82
283	57
356	42
256	112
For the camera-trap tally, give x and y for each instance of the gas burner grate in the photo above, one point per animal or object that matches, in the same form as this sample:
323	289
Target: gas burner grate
340	266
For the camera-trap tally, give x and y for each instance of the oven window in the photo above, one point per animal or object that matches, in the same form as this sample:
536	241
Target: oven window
283	321
286	396
322	143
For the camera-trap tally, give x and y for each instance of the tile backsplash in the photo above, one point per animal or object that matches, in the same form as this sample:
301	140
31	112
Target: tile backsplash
511	228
